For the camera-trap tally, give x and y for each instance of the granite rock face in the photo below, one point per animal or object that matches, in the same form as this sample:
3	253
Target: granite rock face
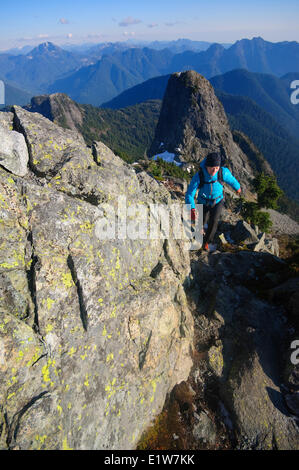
93	332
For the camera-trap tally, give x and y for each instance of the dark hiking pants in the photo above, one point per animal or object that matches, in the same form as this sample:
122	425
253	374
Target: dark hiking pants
211	216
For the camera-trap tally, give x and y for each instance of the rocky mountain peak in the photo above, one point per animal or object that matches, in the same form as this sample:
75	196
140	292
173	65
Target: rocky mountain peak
45	48
193	123
216	48
58	107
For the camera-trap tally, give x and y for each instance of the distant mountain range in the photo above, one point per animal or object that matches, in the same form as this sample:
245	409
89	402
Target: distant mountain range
18	50
252	79
112	74
268	91
154	88
118	72
35	70
256	55
90	49
102	72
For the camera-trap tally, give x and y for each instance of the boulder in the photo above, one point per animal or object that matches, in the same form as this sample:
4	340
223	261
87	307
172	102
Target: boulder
204	430
13	151
256	403
268	245
65	163
272	246
244	233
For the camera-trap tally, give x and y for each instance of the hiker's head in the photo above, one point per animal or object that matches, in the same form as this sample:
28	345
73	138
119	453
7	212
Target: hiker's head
213	159
212	170
213	162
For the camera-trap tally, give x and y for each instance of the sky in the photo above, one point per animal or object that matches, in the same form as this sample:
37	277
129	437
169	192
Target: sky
32	22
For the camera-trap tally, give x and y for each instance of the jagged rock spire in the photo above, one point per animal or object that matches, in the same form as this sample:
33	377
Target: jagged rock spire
193	123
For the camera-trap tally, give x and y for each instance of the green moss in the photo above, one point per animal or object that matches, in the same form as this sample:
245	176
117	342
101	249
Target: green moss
157	435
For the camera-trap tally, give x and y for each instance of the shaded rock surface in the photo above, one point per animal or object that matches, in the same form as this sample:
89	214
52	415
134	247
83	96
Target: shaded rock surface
245	339
243	232
92	335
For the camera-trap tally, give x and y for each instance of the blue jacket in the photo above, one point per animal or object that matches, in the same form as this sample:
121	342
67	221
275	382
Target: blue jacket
209	193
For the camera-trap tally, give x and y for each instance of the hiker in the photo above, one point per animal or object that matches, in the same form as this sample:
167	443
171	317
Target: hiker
209	180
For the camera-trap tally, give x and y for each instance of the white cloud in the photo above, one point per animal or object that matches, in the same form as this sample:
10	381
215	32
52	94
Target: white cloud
152	25
129	34
129	21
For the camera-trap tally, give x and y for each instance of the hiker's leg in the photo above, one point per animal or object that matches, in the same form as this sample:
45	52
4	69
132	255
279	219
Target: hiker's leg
206	221
213	222
205	214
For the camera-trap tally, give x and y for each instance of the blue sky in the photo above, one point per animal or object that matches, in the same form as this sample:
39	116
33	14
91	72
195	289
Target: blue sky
31	22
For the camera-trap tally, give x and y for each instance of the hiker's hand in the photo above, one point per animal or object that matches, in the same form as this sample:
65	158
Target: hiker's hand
193	217
239	192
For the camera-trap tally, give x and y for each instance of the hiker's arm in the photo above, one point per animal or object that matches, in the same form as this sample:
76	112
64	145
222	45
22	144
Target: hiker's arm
191	191
231	180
